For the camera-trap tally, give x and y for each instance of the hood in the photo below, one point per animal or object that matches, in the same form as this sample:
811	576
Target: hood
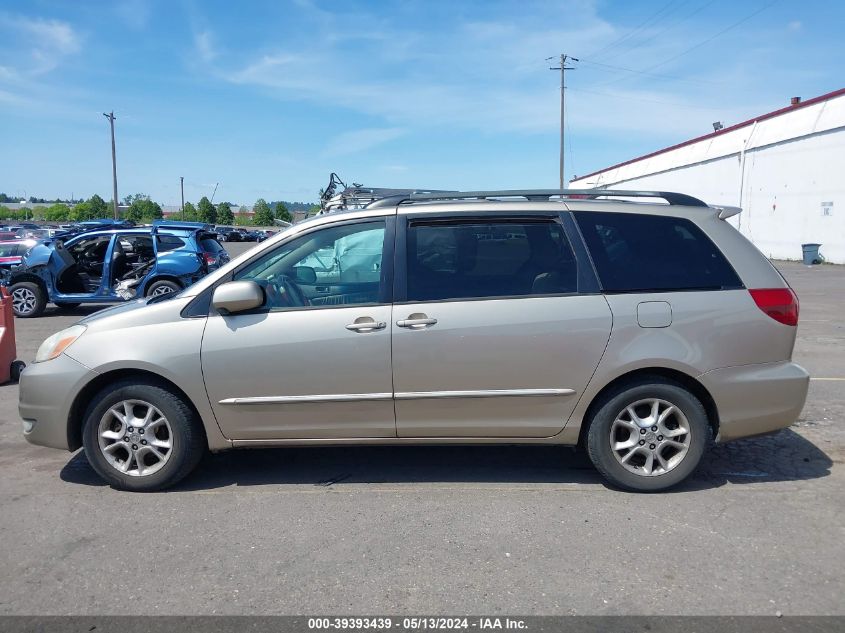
120	308
38	255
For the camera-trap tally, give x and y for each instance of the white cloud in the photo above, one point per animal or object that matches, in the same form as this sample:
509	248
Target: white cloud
134	13
360	140
36	45
795	25
485	75
204	45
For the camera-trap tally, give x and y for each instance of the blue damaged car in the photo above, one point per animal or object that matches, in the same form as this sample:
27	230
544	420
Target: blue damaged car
114	265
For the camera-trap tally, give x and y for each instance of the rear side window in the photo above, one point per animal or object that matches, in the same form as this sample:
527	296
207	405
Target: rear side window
642	253
210	245
471	260
169	243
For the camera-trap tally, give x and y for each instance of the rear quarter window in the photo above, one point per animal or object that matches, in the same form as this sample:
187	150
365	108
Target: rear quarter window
166	243
653	253
210	245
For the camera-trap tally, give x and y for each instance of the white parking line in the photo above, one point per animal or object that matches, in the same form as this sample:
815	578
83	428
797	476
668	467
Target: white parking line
833	379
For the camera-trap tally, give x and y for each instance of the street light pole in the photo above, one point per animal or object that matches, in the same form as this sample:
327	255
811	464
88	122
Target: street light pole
562	68
182	188
110	116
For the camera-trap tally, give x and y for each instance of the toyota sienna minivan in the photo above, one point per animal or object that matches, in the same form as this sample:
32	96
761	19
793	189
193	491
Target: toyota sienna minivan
640	330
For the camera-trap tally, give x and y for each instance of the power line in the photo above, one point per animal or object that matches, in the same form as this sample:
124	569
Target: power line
713	37
636	29
648	74
647	71
642	43
630	98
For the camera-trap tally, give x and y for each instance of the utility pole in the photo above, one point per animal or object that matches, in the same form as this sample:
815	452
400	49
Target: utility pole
110	116
562	68
182	188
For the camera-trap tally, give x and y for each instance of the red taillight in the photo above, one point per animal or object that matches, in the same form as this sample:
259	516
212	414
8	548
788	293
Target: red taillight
779	303
209	258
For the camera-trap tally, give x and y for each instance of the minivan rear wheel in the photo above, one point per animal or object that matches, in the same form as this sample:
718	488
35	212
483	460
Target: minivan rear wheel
649	435
141	436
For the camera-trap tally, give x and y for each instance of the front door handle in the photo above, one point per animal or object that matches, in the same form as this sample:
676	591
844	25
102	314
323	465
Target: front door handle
366	324
417	321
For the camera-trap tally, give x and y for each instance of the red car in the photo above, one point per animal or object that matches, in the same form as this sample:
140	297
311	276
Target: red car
12	251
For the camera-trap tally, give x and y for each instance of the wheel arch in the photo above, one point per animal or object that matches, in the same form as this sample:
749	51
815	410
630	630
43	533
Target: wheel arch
162	277
640	375
83	398
31	278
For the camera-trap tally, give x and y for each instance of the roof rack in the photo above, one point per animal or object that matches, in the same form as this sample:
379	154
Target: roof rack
679	199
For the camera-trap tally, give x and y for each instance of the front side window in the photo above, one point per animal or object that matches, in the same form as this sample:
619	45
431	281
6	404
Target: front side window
500	258
642	253
335	266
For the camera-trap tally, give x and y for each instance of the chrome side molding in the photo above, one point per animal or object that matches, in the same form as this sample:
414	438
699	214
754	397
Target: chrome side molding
482	393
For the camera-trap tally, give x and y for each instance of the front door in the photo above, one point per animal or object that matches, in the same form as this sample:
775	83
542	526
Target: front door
309	363
491	338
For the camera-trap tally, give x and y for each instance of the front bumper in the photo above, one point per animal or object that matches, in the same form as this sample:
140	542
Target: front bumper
47	391
756	399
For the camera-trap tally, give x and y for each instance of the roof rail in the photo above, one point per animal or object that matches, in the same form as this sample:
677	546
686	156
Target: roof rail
680	199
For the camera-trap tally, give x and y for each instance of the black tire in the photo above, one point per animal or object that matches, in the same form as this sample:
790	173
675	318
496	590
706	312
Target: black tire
31	300
15	370
187	436
615	402
67	306
162	286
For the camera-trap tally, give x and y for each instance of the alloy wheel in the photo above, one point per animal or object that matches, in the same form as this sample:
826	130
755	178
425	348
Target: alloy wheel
163	290
24	300
135	438
650	437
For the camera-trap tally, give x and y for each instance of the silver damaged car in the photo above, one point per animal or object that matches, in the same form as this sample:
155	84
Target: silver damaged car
639	325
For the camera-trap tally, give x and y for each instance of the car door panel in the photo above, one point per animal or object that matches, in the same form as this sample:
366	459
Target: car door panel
496	368
309	372
300	374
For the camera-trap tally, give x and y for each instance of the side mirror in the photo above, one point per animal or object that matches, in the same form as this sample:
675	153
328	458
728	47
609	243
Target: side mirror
237	296
305	275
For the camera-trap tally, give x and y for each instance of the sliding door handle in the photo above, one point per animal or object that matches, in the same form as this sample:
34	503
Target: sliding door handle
416	321
366	324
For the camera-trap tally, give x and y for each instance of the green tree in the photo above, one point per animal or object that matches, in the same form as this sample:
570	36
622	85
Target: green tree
5	212
262	214
99	208
224	213
282	212
206	212
142	209
37	213
82	211
57	213
190	212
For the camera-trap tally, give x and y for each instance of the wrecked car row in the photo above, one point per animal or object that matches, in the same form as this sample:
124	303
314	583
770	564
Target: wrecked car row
113	265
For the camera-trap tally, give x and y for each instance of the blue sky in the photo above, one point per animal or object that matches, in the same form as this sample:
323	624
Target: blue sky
267	98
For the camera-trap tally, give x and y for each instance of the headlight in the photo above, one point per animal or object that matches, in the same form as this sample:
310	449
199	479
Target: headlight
58	343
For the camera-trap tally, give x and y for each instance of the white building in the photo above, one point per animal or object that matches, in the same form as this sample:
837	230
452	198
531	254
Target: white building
786	169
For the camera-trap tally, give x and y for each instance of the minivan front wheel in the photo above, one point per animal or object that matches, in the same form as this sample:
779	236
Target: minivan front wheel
649	435
141	436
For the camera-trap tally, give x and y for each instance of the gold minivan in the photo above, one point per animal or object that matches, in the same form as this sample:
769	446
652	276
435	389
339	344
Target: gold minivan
642	331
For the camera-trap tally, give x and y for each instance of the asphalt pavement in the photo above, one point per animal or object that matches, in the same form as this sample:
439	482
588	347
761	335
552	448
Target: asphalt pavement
431	530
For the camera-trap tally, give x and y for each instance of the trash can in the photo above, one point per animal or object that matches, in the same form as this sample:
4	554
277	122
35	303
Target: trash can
811	254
